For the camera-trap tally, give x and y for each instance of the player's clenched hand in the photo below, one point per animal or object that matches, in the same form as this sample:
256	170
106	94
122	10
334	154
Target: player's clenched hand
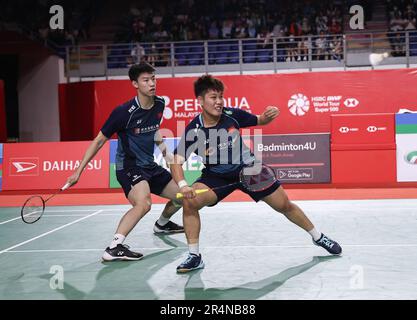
268	115
73	179
188	192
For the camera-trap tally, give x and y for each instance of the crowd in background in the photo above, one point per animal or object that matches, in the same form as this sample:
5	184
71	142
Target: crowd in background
187	20
402	17
315	24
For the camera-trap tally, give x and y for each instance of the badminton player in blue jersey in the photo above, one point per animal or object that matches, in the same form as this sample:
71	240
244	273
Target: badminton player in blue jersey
136	123
225	159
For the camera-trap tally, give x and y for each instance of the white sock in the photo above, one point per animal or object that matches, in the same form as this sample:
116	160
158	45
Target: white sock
162	220
117	239
315	234
194	248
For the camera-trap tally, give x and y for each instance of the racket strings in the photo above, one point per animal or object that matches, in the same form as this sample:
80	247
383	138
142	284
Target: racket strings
33	209
260	181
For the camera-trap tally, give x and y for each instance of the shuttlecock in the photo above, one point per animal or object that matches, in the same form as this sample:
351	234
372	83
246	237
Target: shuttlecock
376	58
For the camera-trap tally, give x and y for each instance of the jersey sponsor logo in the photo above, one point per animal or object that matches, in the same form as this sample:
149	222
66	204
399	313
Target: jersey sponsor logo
147	129
132	108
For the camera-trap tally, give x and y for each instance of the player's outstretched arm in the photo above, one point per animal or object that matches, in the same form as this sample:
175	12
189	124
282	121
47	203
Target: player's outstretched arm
92	150
269	114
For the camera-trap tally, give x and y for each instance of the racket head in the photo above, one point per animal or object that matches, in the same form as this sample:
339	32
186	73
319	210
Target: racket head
257	179
33	209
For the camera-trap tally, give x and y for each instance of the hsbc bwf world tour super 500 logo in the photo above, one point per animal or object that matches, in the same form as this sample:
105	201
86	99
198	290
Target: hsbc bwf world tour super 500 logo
299	104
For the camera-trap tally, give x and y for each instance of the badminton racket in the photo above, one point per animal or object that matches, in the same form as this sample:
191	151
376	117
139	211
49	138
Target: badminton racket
251	178
34	207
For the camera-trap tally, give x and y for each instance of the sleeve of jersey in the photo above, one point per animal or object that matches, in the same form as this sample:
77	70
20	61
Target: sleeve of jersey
113	124
244	118
187	144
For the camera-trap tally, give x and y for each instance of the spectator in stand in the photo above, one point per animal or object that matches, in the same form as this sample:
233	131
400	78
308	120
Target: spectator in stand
335	27
153	56
227	28
292	49
303	46
321	47
336	48
214	32
240	30
321	23
138	53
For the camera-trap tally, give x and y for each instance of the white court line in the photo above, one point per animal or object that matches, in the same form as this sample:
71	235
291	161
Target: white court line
79	215
215	247
57	215
49	232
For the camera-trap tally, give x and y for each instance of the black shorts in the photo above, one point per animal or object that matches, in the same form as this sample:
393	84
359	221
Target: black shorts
212	180
157	177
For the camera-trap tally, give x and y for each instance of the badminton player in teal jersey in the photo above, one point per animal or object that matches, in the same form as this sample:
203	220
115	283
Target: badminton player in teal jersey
136	123
225	159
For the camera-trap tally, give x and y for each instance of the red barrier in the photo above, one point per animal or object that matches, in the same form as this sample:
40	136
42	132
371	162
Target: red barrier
363	129
363	148
48	165
306	100
3	126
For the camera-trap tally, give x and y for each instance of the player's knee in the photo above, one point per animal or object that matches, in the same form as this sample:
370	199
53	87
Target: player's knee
143	207
286	207
190	205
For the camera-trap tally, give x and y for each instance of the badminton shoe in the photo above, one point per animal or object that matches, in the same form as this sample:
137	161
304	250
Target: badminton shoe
193	262
121	252
330	245
169	228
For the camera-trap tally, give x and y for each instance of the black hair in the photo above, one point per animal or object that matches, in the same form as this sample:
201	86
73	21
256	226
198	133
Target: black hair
206	83
137	69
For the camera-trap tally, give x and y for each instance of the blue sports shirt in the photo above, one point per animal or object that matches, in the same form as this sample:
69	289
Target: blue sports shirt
136	128
220	146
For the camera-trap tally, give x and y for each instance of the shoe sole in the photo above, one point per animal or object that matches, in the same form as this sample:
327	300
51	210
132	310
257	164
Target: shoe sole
159	231
107	257
333	254
201	266
167	232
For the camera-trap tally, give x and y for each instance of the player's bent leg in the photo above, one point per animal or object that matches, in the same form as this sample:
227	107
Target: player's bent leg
140	198
279	201
192	225
164	226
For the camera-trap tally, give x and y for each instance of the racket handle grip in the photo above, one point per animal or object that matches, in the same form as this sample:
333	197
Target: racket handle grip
67	185
198	191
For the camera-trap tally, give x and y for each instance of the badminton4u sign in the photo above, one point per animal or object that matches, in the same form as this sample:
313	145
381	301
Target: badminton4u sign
48	165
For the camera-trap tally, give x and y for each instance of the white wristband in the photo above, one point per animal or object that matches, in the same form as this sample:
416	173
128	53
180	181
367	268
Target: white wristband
182	183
